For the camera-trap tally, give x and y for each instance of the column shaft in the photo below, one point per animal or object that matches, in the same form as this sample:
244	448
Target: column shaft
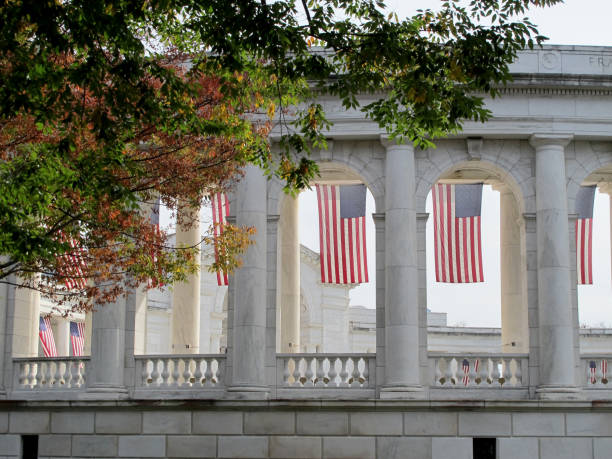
515	329
186	295
249	328
557	363
105	373
290	275
402	366
61	335
26	323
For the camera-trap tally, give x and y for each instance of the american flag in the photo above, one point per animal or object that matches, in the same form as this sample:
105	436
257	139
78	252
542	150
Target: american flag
342	233
584	234
604	369
77	337
72	264
220	211
46	337
592	371
457	237
466	370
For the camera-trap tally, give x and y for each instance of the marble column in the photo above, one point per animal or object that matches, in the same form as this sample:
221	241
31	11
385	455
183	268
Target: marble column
515	327
290	275
61	335
607	189
105	372
402	366
88	329
557	375
186	295
250	284
26	322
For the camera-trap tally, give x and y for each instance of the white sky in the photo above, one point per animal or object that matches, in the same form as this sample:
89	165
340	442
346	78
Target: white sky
577	22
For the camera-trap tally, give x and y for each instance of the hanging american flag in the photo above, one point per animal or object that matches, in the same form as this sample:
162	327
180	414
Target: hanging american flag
46	337
72	264
592	371
220	211
342	233
466	370
584	234
604	369
77	337
457	237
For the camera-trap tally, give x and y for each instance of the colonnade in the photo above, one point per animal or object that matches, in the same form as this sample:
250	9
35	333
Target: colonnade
114	326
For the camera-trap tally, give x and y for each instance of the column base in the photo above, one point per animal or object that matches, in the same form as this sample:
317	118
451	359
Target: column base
249	392
402	392
105	392
552	392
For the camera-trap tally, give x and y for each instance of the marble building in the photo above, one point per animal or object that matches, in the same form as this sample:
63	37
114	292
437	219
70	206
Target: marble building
543	396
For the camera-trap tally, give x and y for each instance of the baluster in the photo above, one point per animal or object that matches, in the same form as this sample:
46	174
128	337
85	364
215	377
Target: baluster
146	374
296	372
506	373
76	379
207	375
57	375
67	374
344	372
356	382
320	382
448	375
483	371
332	372
309	374
155	372
495	374
24	369
39	375
518	374
598	375
175	372
366	374
438	373
187	375
286	372
472	372
217	378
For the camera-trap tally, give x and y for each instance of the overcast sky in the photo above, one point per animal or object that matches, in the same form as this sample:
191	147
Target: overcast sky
577	22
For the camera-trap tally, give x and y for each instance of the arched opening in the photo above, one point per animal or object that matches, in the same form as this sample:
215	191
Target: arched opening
332	316
488	314
592	245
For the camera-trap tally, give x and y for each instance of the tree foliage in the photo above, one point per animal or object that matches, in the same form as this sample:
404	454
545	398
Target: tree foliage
105	105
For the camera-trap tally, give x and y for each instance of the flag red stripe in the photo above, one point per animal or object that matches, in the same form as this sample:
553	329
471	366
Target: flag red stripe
363	248
351	257
322	258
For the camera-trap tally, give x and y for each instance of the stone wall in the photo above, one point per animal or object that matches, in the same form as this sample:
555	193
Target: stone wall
526	430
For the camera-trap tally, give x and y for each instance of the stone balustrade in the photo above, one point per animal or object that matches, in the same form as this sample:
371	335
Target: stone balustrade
332	371
49	373
203	371
463	371
595	371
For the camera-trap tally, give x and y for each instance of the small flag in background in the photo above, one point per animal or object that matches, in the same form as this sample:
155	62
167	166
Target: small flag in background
342	233
457	236
72	264
220	211
592	371
77	337
466	370
46	337
584	234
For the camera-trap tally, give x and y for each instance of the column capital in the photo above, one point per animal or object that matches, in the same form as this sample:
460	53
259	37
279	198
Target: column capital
542	139
397	143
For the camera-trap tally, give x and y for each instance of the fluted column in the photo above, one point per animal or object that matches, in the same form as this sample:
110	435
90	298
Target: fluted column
402	366
556	333
186	295
290	274
515	328
249	316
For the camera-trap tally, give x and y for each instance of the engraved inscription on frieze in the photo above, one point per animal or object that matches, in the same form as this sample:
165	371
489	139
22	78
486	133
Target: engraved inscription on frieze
602	62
